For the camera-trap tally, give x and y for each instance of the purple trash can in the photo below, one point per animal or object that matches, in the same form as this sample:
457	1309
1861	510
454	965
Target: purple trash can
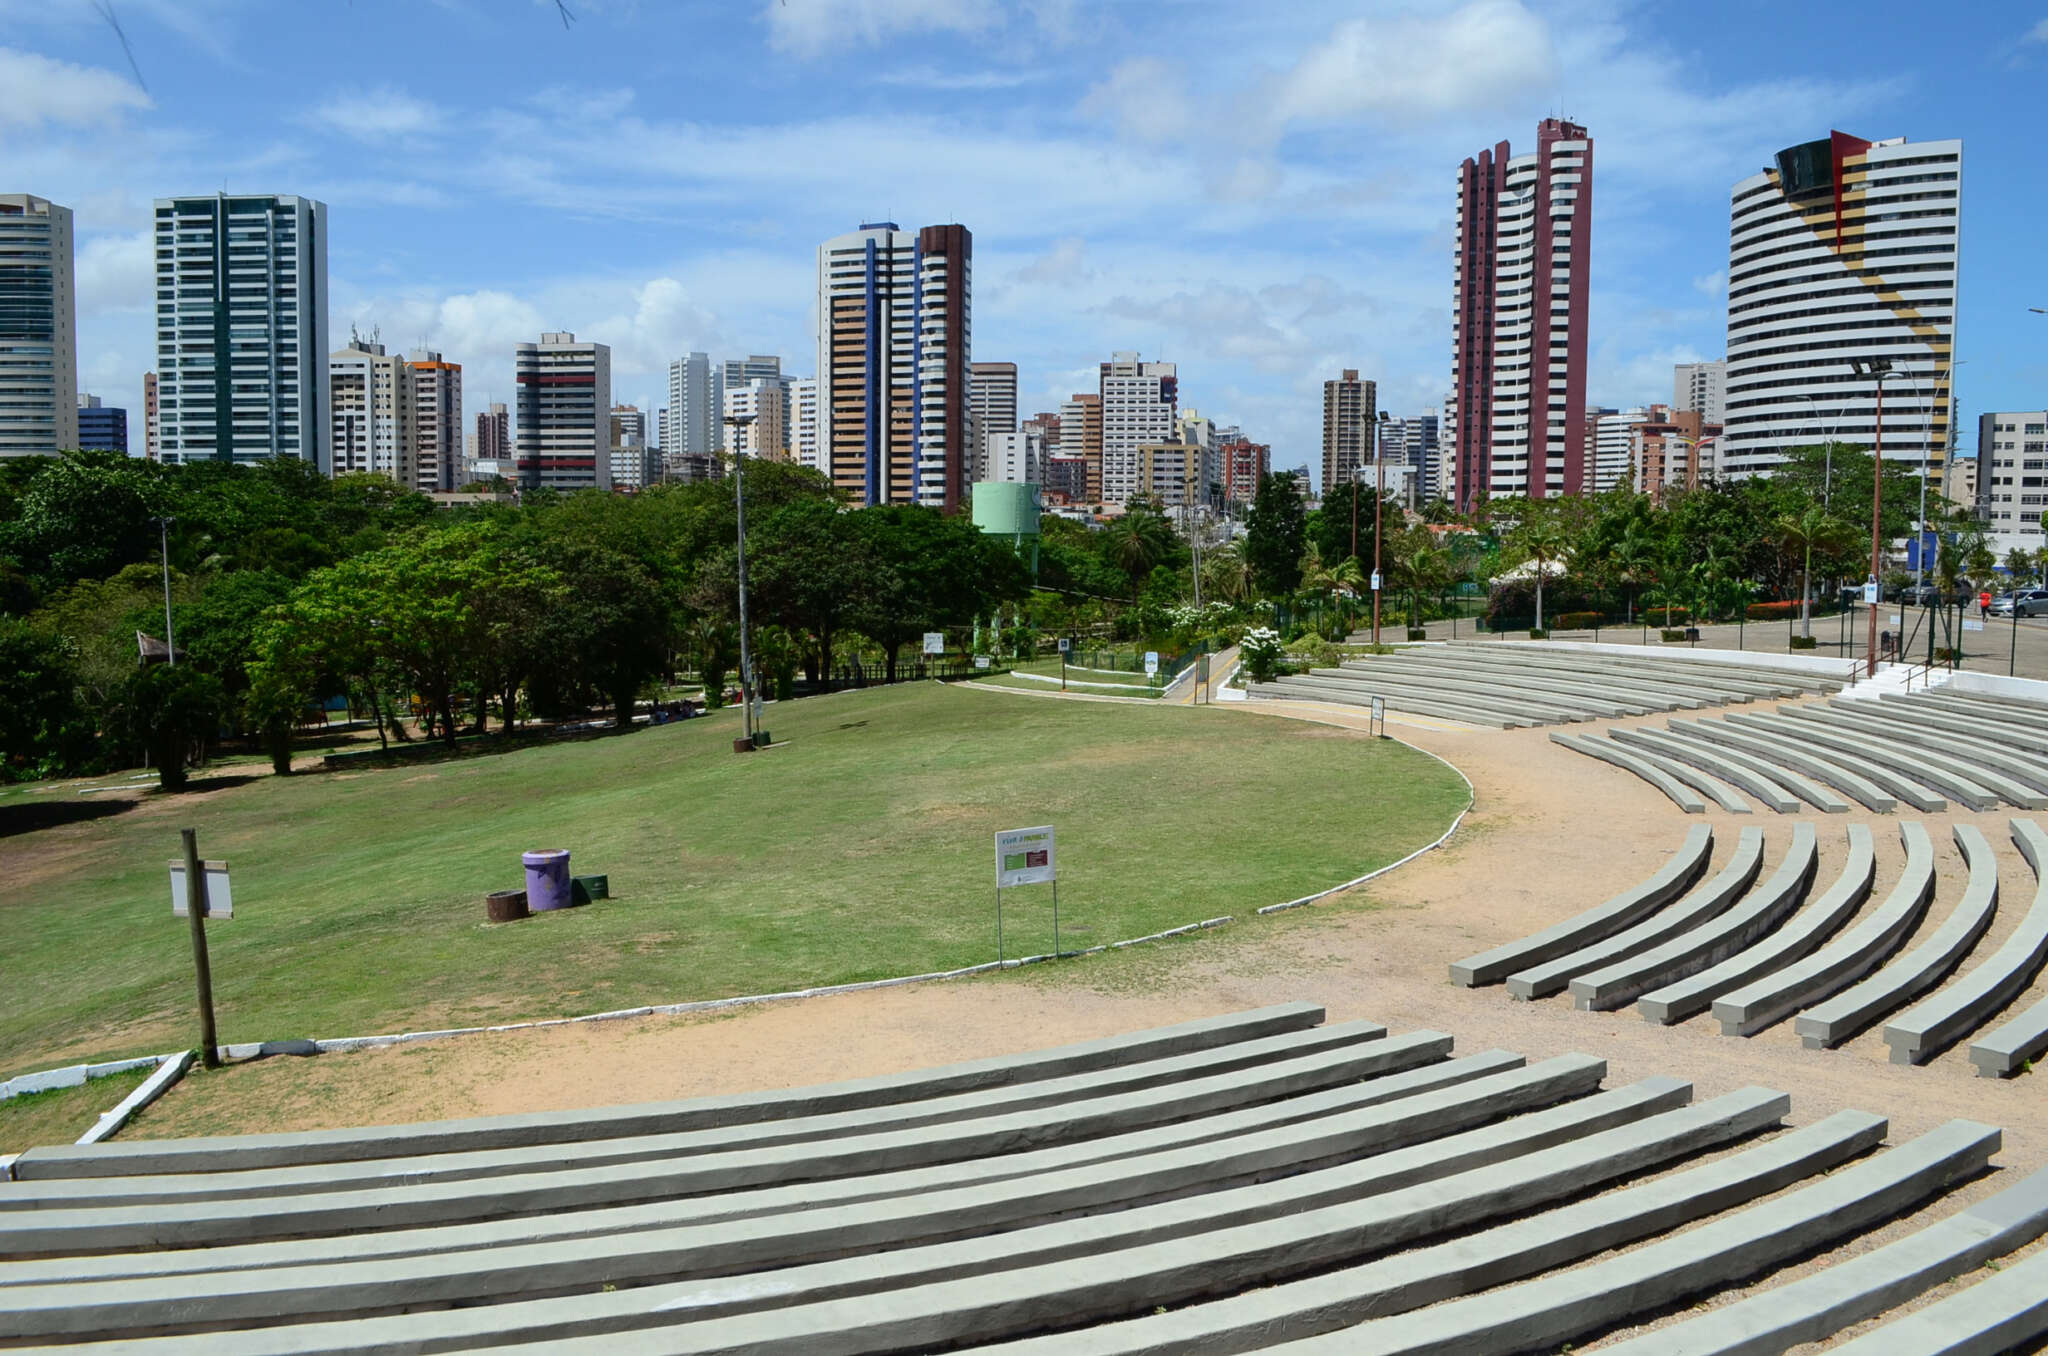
547	879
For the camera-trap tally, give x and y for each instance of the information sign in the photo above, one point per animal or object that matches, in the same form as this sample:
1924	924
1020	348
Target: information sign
1151	663
219	902
1972	625
981	661
1025	857
1375	581
934	642
1870	593
1066	644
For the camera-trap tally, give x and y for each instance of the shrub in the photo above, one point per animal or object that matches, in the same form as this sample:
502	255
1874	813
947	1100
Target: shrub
1577	621
1260	653
1536	633
1317	652
1672	633
1655	612
1417	633
1772	611
1804	642
1944	655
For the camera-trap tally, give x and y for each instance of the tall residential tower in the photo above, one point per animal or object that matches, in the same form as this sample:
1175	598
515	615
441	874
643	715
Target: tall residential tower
563	440
38	328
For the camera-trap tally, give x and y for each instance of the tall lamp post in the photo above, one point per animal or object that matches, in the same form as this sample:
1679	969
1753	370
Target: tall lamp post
1379	496
1827	485
739	499
1877	369
163	527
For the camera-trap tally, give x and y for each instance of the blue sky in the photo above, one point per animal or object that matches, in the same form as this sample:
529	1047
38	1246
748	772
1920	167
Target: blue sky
1262	193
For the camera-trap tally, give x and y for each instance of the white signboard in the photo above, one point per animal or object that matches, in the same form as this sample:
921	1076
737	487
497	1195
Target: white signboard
1151	663
1893	620
1870	594
1025	857
1375	581
1379	710
981	661
934	642
219	903
1973	625
1066	644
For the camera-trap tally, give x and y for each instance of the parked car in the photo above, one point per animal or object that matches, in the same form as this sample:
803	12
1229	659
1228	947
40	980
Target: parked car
2021	602
1920	595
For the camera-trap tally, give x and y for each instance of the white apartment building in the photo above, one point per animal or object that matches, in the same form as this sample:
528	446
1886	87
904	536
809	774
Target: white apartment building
1140	407
1019	458
753	414
38	328
241	328
370	394
1614	447
1702	387
562	439
696	407
803	400
1199	431
2012	475
437	420
1845	251
738	372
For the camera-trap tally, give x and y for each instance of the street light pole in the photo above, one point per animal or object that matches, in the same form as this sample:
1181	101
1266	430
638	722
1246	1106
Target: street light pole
163	526
1877	369
739	497
1378	498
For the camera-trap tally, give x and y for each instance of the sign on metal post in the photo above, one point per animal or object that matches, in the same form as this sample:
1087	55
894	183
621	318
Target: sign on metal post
1151	663
1972	625
934	642
219	902
1870	593
1379	716
981	661
1027	857
1375	581
1066	644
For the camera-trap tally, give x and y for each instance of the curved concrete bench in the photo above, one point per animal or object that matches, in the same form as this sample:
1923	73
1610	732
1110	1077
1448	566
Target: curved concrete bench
1895	706
2004	1311
1706	758
223	1153
1282	689
1704	901
1065	1094
180	1223
1476	691
1666	777
1508	1252
1323	1159
1774	996
1669	881
1544	683
1543	1313
1805	788
1403	697
1857	787
1710	689
1930	770
1812	926
1829	1024
1713	940
1242	1125
1910	789
1659	693
2013	1047
1917	1036
1848	1291
984	1305
2029	772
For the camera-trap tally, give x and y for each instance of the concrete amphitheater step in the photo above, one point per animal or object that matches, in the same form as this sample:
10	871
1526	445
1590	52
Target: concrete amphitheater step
2002	705
1676	782
1555	1309
2029	772
1743	774
1642	691
1852	784
1303	689
223	1153
1543	684
757	1203
1326	1160
159	1222
2006	1311
1800	935
1756	675
1702	902
1828	1024
1843	961
1895	706
1941	1020
1505	1253
1974	787
1817	1307
1917	789
1711	689
1479	688
1710	941
1814	793
422	1169
1485	708
1669	881
1016	1301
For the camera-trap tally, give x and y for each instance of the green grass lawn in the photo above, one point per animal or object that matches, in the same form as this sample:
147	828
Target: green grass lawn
61	1115
860	849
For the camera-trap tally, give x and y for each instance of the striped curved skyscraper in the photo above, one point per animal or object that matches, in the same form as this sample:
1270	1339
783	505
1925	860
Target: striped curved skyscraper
1842	250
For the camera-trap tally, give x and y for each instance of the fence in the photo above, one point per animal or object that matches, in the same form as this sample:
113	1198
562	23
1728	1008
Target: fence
911	669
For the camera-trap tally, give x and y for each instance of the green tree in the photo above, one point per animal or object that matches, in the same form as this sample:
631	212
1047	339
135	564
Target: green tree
86	514
1540	540
1799	536
171	712
1276	534
1139	541
925	571
43	730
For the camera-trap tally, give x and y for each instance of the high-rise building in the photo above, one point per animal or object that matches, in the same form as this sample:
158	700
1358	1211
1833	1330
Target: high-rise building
1611	433
635	465
2011	482
1671	451
894	345
738	372
696	404
1844	251
1701	387
149	418
1518	305
803	442
101	427
1066	479
1016	457
241	328
370	401
1350	422
494	433
437	420
38	328
1140	406
1081	436
992	391
563	438
753	413
1413	440
1245	463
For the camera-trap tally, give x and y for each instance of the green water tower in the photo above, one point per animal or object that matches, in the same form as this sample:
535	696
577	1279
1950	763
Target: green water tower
1006	508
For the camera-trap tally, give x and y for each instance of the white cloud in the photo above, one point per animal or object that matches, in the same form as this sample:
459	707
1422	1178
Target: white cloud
1711	284
115	272
1487	56
1063	266
932	78
810	28
378	115
2038	33
1144	99
40	90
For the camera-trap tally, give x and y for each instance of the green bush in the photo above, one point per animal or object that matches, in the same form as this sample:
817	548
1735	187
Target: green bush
1772	611
1804	642
1672	633
1577	621
1260	652
1417	633
1536	633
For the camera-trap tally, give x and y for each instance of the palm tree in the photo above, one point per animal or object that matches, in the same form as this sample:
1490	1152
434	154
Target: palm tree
1135	543
1227	574
1541	541
2019	563
1633	560
1798	536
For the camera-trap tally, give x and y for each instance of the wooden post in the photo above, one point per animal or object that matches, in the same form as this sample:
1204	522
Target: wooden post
195	914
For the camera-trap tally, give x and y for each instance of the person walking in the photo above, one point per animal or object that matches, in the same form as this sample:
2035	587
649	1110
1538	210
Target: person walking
1984	603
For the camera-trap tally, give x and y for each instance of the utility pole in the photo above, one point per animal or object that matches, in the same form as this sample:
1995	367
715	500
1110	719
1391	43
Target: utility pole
739	497
163	526
1877	369
1378	498
202	967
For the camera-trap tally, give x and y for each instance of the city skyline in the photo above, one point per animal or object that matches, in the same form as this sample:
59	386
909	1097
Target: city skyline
1247	243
